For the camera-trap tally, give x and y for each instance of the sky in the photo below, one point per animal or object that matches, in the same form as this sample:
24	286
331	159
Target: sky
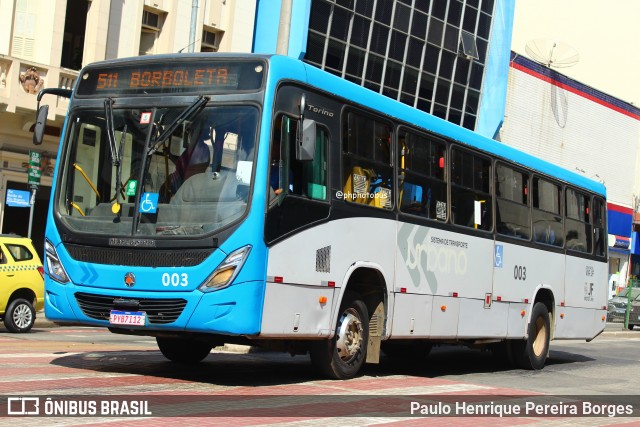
605	34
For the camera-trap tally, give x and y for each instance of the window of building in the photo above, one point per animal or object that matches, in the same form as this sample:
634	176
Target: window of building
577	221
74	32
471	190
367	173
422	182
547	217
24	27
384	45
512	202
210	40
150	32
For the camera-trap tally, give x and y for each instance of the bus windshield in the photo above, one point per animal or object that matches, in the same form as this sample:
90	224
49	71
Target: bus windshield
151	172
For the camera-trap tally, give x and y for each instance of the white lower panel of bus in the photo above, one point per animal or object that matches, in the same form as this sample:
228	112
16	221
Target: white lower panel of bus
412	315
297	311
573	322
427	316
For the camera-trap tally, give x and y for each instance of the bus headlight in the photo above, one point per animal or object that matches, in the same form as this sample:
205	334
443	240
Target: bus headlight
54	266
226	271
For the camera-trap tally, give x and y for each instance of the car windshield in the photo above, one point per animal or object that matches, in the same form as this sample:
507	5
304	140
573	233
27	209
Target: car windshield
635	293
157	171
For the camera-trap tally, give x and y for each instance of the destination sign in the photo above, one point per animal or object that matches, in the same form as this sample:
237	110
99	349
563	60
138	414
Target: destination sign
139	78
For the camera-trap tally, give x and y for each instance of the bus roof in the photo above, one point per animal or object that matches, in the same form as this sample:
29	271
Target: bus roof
284	67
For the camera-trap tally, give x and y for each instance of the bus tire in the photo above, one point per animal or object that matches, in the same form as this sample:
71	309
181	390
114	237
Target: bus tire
531	353
183	350
342	356
19	316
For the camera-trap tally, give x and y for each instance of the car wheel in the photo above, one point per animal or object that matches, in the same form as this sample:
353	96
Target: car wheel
183	350
20	316
630	326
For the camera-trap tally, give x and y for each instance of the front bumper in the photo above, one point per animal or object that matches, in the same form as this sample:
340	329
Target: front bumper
236	310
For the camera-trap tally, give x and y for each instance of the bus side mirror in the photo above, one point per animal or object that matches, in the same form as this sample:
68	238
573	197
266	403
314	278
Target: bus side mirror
41	122
306	141
41	115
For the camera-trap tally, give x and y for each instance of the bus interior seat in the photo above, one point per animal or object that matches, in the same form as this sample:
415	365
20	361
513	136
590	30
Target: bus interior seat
356	188
205	188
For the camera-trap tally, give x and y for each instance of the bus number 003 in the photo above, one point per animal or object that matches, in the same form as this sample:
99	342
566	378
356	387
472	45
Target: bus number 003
520	272
175	279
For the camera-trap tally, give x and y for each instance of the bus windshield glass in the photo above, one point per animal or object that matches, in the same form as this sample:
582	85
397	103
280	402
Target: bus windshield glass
150	172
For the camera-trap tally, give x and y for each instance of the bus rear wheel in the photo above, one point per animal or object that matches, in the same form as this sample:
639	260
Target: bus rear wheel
531	353
183	350
342	356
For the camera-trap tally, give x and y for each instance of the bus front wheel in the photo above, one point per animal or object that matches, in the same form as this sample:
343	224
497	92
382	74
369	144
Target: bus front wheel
531	353
183	350
342	356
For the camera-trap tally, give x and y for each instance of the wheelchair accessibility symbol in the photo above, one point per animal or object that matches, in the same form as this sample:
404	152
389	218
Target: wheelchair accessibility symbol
149	203
498	260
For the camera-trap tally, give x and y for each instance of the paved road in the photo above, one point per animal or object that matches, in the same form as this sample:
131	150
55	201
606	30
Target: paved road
265	388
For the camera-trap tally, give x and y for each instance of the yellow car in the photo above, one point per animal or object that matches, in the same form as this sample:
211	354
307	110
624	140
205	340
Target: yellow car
21	283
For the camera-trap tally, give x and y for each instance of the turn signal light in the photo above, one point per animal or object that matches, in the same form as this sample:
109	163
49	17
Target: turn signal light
443	308
322	300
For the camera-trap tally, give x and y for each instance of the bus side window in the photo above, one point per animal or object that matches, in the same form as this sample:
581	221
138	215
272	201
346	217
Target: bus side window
599	227
290	176
548	227
422	188
367	173
471	190
512	202
579	234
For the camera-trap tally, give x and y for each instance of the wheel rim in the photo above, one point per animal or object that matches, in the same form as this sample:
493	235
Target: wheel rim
22	316
350	335
540	341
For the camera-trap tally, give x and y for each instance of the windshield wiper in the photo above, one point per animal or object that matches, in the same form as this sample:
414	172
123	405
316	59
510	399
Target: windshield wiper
116	149
188	113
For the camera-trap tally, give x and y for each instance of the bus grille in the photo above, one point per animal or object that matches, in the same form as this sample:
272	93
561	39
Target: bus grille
139	258
159	310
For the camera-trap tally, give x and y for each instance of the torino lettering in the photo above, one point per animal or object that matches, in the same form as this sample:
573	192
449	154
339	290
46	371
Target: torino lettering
444	259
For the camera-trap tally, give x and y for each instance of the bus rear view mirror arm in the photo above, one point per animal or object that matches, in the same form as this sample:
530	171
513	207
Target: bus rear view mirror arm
42	112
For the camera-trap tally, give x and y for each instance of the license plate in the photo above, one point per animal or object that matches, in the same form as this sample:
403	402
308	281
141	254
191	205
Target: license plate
130	318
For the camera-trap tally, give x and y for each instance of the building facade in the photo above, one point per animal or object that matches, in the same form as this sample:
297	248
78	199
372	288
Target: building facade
436	56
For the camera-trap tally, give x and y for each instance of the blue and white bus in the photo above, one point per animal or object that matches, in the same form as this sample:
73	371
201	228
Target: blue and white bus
205	199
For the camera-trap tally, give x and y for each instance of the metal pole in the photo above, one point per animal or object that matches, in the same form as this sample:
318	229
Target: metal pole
282	45
194	24
33	202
